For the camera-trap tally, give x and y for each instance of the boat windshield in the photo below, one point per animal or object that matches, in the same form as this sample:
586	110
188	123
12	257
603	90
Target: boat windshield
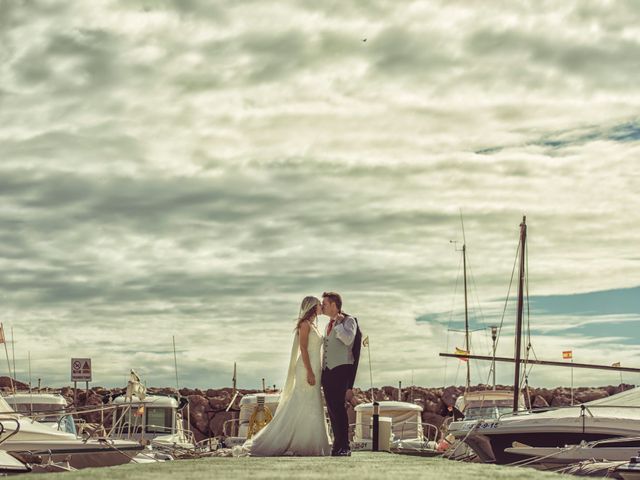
491	411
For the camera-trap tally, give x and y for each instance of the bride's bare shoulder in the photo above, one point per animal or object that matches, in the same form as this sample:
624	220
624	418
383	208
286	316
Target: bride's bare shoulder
304	327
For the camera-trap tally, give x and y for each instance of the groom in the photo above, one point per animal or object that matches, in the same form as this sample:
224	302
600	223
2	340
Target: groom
339	365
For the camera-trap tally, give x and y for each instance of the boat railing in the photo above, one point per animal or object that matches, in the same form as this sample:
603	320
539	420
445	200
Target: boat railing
432	432
229	424
3	429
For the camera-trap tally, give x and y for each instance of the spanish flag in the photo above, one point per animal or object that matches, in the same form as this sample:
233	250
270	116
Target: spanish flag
567	354
2	333
460	351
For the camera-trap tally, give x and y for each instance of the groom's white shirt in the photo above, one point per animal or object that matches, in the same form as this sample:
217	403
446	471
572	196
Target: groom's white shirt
345	330
337	344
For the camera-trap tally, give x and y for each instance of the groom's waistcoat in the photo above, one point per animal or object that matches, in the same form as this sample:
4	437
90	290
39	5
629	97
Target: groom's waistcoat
334	352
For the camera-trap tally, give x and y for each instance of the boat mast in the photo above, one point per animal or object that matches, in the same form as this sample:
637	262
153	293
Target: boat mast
516	382
466	314
466	308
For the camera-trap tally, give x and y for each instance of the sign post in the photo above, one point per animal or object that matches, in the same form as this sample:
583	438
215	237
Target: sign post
80	372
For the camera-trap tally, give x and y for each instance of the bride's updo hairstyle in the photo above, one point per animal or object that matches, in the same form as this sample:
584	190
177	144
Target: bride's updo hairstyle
307	310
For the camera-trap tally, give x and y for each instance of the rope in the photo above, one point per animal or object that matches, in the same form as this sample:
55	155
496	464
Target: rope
259	419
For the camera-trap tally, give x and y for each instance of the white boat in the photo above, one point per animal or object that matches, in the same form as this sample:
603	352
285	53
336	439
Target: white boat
46	408
606	418
23	437
407	429
615	416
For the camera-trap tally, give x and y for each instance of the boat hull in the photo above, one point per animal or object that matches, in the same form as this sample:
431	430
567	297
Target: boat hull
79	455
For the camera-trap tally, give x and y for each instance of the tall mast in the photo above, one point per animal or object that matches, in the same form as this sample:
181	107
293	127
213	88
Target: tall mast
516	382
466	314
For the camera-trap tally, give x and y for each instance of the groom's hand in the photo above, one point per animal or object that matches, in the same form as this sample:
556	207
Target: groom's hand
311	378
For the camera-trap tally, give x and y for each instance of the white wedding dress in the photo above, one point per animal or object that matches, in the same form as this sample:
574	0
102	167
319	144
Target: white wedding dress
298	426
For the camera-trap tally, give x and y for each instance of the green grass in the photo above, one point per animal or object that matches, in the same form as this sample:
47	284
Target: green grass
383	466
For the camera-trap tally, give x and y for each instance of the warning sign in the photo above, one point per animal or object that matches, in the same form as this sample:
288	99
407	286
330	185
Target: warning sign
80	369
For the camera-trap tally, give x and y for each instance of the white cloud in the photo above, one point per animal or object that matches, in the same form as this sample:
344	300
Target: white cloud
179	168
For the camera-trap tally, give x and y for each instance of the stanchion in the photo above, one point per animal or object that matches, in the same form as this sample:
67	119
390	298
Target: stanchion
376	427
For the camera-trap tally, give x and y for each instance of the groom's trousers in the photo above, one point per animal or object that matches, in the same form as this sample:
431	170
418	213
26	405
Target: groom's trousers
335	383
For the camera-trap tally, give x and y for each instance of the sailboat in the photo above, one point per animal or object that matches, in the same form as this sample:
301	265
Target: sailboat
494	439
481	403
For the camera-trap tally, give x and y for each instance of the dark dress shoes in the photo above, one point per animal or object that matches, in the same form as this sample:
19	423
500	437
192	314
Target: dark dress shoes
343	452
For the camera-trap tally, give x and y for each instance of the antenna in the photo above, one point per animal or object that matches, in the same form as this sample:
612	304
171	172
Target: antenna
175	363
3	340
464	240
13	352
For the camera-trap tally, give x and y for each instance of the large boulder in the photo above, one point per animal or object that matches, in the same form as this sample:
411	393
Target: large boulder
560	401
433	419
539	402
219	403
5	382
433	407
590	394
450	395
217	422
198	416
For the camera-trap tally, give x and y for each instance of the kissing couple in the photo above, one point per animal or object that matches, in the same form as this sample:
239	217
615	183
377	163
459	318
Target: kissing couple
298	426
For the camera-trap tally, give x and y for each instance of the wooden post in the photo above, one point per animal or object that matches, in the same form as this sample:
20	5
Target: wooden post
376	427
75	397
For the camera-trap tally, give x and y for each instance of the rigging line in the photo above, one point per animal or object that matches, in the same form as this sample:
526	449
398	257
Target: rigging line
455	290
506	302
455	380
482	369
475	297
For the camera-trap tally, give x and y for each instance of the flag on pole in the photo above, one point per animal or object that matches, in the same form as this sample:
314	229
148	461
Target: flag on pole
2	333
567	354
617	364
365	342
460	351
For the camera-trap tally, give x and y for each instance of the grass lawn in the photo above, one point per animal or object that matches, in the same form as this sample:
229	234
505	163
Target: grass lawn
383	466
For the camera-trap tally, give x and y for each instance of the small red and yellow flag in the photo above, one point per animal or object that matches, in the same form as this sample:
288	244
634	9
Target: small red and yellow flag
460	351
567	354
617	364
2	333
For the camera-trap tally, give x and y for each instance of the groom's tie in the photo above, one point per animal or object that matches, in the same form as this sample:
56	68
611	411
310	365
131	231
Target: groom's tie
330	327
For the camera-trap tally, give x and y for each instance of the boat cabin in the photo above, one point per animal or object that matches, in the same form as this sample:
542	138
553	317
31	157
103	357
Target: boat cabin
46	408
144	420
487	404
406	420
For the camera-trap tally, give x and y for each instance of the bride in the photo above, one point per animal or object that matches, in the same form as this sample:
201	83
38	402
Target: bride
298	426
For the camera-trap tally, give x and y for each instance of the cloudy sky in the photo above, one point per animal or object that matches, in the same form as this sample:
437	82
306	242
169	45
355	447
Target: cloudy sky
193	169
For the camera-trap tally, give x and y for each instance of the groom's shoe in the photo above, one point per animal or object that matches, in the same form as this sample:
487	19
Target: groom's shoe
343	452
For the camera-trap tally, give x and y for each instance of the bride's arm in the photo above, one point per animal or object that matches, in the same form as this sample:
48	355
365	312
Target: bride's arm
304	352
